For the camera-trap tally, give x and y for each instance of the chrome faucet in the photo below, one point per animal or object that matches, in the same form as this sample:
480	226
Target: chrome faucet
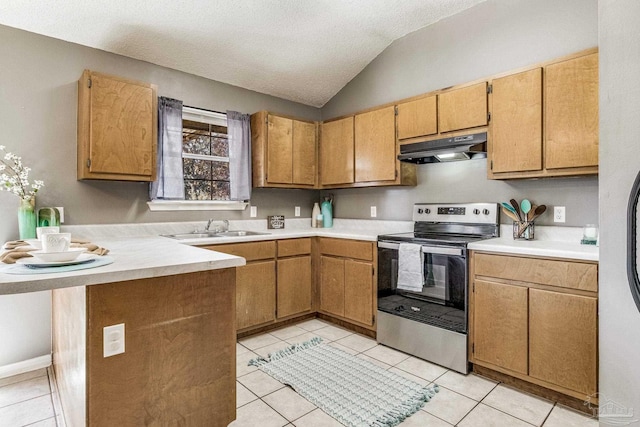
218	228
206	228
225	225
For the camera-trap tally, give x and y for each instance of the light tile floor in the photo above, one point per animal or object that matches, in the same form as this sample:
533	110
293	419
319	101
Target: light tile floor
465	401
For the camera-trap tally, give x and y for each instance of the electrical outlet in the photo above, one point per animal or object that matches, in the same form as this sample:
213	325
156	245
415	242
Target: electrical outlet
374	212
113	340
61	210
297	211
254	212
559	214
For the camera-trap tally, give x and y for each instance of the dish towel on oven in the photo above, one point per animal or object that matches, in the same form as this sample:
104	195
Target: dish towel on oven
410	262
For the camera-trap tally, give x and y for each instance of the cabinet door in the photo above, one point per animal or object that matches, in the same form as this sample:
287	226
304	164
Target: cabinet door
563	340
279	150
255	293
336	152
500	325
294	286
304	153
122	129
463	108
332	285
417	118
358	291
375	145
516	122
571	113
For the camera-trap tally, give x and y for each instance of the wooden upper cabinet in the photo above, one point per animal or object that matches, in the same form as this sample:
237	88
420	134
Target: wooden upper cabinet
304	153
375	145
463	108
516	122
418	118
279	150
337	152
117	128
571	113
283	151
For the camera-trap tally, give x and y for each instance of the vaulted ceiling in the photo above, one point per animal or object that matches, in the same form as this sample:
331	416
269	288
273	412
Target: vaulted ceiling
300	50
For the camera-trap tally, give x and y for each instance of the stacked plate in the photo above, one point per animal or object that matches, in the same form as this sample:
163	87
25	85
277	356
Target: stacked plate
54	259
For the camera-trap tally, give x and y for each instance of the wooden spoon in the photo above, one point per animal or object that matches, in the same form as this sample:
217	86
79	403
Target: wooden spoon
538	211
516	207
510	214
531	212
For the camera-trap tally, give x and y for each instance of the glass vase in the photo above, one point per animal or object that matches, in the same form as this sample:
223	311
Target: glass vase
27	218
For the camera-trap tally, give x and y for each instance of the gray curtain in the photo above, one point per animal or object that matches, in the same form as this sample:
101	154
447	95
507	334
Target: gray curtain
239	132
170	179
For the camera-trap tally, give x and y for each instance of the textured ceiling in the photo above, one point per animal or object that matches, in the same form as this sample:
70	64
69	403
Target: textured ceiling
301	50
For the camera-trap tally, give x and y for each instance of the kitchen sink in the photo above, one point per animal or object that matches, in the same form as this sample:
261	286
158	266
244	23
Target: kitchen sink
211	234
239	233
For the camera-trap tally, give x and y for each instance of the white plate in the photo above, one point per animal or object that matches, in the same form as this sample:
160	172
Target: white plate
65	256
32	262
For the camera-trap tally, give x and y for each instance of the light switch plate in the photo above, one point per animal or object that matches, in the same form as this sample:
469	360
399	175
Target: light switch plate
61	210
559	214
253	212
374	212
297	211
113	340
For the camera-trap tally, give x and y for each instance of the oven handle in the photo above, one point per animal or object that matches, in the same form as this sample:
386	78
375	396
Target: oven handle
426	249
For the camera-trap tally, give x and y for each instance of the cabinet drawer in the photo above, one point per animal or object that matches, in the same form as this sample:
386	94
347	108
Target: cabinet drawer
564	274
292	247
347	248
250	251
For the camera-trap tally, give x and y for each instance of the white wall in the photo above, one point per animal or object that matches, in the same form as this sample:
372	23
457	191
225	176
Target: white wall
619	38
493	37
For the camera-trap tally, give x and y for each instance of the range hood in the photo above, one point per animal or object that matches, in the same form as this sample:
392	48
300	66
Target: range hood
452	149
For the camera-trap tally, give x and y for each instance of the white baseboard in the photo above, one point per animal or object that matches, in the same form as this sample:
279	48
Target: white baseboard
25	366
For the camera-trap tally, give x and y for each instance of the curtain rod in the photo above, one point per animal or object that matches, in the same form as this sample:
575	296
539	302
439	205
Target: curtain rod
205	109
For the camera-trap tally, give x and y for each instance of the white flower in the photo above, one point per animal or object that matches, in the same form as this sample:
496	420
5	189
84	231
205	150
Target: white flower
16	178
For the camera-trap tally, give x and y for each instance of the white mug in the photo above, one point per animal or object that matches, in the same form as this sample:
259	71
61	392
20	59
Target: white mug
56	242
41	231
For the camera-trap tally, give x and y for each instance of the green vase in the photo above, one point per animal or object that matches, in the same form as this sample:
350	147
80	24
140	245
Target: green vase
27	218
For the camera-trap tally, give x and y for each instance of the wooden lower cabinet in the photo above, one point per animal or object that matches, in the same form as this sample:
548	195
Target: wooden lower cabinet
536	320
255	294
501	323
294	286
347	285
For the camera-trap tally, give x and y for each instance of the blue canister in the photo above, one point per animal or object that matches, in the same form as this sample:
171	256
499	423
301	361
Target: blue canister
327	212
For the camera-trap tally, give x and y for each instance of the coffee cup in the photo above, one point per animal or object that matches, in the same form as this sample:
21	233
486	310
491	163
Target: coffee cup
56	242
41	231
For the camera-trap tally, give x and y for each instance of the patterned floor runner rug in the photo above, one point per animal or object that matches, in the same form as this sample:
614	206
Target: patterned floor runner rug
352	390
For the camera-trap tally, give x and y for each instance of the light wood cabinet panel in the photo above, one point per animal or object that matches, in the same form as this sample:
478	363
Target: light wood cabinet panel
291	247
283	151
294	286
255	293
516	122
337	152
563	340
279	150
304	153
332	285
571	113
417	118
564	274
117	128
375	145
358	291
463	108
500	325
251	251
347	248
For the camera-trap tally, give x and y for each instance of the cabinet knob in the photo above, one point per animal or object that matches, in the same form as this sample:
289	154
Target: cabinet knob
486	212
476	211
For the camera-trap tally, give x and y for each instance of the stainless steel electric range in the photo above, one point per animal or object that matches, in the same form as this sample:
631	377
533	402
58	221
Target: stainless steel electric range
431	321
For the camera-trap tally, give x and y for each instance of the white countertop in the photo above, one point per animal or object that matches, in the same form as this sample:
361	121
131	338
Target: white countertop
135	258
553	242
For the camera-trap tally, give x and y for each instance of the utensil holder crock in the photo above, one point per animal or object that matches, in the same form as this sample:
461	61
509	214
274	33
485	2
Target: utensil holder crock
523	230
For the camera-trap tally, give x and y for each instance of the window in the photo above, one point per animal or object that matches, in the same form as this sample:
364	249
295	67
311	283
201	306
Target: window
205	155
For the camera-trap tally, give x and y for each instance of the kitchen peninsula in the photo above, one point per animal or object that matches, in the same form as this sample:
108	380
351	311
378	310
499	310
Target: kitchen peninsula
177	303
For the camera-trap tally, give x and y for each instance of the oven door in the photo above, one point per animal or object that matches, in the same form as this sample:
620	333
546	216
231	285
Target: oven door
443	299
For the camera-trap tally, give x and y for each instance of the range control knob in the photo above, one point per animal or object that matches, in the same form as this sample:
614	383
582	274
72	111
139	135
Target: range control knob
486	211
476	211
427	211
420	211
